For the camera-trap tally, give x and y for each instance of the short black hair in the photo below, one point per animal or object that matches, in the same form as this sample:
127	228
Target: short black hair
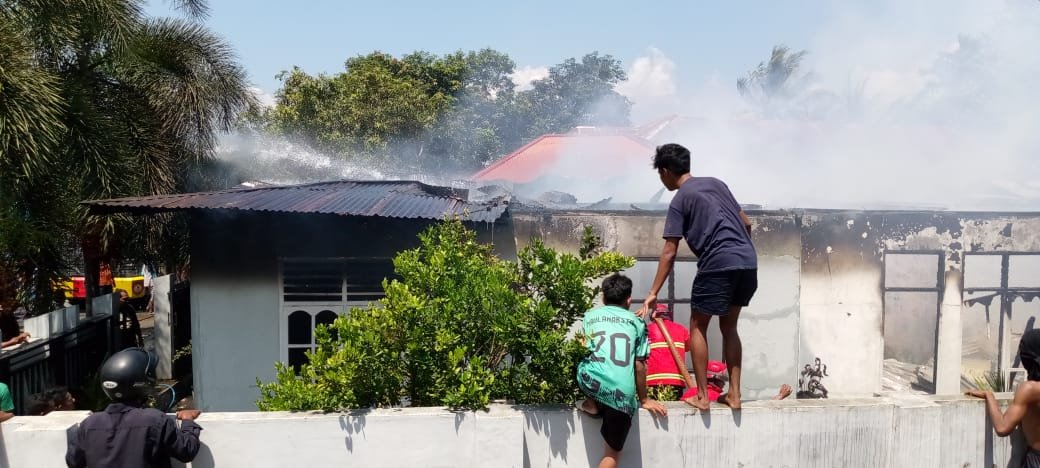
38	404
672	157
617	288
56	395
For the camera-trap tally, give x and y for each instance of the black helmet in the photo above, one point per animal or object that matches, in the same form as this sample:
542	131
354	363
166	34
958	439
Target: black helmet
129	374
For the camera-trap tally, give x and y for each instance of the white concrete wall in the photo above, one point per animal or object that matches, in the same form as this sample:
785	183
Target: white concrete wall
769	328
893	431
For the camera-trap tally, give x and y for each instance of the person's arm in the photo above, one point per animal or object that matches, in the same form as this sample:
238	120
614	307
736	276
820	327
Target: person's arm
664	267
182	444
747	221
1005	423
653	406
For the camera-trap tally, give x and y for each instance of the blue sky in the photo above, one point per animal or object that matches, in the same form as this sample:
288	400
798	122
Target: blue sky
703	38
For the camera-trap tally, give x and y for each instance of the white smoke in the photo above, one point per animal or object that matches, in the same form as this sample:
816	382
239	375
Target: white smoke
651	84
906	104
524	76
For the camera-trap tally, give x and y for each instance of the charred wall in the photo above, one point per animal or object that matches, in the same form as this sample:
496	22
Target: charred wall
770	328
826	290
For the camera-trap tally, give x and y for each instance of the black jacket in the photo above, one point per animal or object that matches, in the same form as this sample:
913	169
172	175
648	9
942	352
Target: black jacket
129	437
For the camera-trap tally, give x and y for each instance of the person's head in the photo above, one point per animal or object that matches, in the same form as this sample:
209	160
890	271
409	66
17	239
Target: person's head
663	311
38	405
718	373
672	161
129	376
617	290
1029	353
61	399
122	294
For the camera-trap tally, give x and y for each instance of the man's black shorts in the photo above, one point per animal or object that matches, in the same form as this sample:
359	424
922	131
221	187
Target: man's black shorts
714	293
615	426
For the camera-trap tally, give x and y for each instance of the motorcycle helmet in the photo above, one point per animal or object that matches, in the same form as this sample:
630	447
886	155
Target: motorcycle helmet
129	375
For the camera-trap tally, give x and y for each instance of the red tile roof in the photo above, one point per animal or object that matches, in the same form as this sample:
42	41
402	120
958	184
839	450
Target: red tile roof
585	153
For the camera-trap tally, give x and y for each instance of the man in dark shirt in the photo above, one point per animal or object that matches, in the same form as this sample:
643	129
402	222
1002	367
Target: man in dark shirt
718	231
126	435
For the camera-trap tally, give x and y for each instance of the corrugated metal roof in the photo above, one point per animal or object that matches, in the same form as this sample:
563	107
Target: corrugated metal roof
391	199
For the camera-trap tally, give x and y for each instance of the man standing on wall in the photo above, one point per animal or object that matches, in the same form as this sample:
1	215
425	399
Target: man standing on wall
706	214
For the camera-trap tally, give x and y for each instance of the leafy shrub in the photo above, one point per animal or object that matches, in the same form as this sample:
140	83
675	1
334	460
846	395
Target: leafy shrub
459	328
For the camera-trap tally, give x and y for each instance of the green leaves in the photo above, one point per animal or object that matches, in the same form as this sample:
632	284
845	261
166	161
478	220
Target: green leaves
460	328
449	113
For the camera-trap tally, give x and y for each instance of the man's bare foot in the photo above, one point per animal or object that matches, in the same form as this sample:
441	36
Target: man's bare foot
588	407
785	391
731	400
700	403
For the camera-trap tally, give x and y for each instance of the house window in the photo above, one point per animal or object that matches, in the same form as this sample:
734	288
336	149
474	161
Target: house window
315	292
676	290
675	293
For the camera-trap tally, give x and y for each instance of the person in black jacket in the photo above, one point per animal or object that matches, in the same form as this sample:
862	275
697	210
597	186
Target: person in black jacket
126	434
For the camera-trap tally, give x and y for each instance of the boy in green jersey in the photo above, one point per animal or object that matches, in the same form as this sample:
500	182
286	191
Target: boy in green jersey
613	375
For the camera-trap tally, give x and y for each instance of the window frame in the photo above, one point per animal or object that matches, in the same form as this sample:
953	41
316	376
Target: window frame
314	308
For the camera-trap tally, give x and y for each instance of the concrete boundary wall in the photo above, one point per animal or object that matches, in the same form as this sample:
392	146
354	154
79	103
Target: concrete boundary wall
892	431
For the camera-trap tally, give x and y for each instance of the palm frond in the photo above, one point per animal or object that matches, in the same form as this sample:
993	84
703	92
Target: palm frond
30	105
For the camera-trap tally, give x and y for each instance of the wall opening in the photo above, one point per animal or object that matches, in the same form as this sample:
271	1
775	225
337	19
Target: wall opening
1000	304
913	285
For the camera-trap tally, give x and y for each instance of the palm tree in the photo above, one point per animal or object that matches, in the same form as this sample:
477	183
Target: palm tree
139	103
776	79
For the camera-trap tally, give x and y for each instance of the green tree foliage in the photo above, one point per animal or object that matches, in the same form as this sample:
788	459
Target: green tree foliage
99	101
454	112
774	82
459	328
577	93
378	101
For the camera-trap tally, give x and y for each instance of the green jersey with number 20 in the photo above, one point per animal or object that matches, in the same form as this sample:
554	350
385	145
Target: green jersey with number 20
616	338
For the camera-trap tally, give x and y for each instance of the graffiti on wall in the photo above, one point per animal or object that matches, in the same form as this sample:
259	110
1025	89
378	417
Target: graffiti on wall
809	384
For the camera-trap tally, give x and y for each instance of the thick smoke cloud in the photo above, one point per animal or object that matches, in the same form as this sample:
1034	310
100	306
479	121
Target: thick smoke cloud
902	104
925	104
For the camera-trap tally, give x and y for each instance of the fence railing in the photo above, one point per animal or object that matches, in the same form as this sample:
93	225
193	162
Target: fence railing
67	347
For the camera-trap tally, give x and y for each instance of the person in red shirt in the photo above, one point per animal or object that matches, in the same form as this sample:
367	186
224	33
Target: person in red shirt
663	379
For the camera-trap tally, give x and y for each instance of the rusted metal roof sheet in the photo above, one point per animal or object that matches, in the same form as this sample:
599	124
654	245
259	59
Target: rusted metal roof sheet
391	199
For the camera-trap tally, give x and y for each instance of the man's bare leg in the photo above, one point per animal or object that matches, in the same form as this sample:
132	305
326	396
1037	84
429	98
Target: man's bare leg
610	457
733	352
699	352
784	392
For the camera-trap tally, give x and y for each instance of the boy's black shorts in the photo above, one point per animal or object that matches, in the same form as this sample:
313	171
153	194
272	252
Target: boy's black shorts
615	426
714	293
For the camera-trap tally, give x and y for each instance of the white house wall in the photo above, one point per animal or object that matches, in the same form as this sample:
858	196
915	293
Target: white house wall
234	311
236	294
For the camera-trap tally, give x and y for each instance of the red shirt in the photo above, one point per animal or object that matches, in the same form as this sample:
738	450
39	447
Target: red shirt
660	367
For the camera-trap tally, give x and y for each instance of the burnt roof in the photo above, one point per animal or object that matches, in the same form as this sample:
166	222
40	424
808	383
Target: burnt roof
390	199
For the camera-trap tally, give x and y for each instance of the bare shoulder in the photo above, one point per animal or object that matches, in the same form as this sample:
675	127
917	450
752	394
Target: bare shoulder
1028	392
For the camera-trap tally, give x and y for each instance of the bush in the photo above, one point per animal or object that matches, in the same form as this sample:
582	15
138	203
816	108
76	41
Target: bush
459	328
